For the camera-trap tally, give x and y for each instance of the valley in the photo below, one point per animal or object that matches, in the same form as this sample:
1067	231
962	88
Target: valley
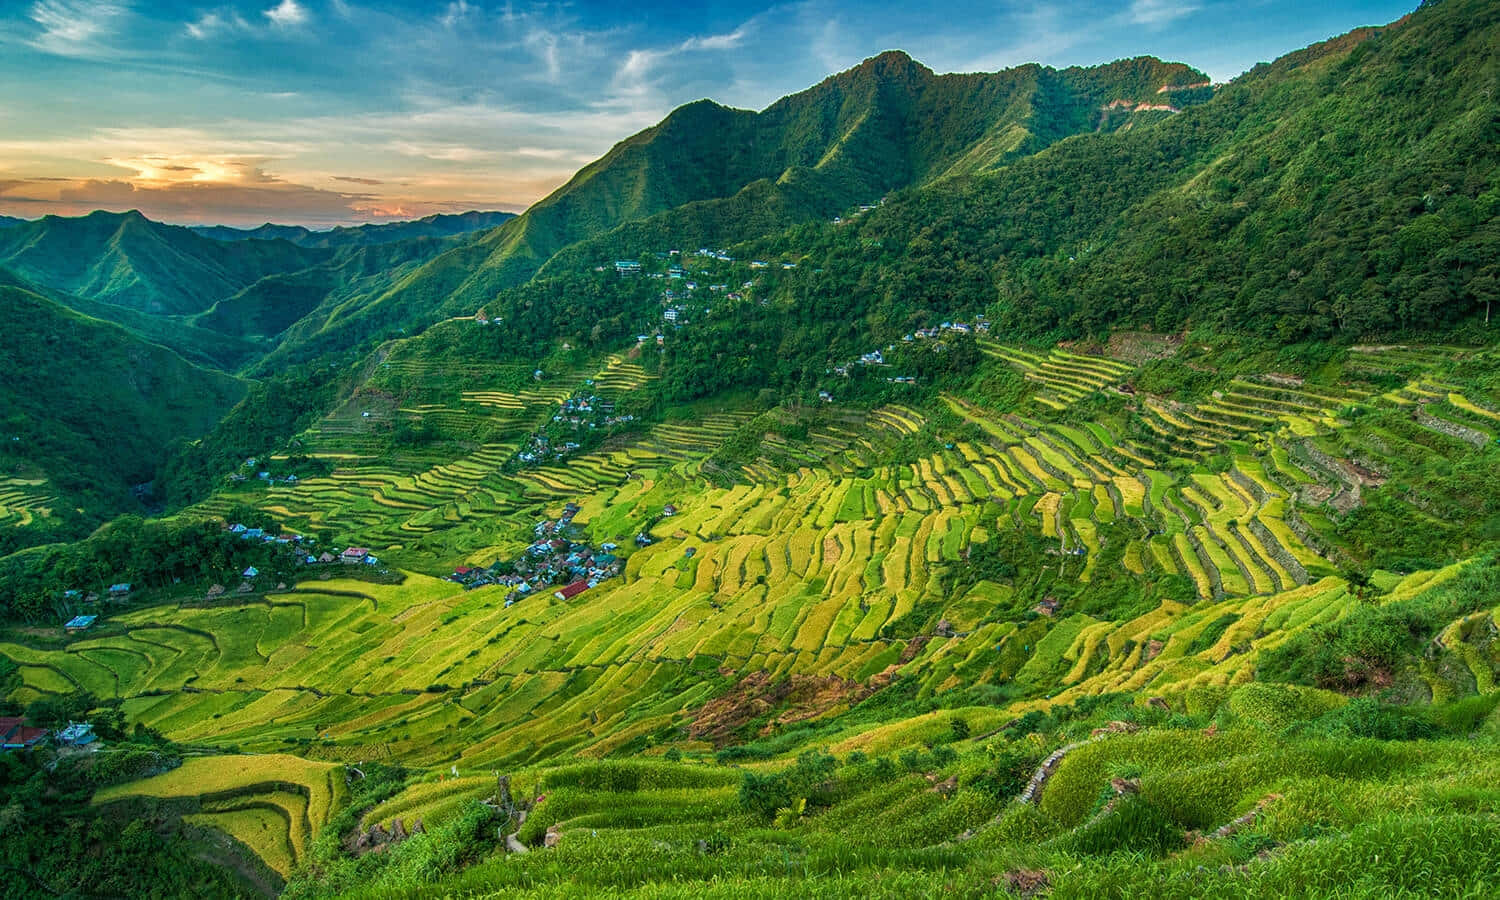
1167	546
1041	483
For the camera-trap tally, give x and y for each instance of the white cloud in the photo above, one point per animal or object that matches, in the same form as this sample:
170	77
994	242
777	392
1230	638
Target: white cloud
207	24
1155	13
716	41
455	14
75	27
544	45
287	13
638	78
214	23
442	152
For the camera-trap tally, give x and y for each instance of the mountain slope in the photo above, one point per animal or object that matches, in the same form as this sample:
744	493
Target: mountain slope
1350	189
91	407
305	299
732	174
437	225
214	349
128	260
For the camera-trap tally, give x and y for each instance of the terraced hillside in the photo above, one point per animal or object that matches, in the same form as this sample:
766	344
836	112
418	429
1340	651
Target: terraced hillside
21	500
273	805
467	498
1095	540
829	555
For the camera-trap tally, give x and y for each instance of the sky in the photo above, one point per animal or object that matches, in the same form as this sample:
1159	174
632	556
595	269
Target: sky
326	112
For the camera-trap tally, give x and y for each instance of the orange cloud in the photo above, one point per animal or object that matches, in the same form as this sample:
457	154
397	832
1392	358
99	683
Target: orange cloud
256	199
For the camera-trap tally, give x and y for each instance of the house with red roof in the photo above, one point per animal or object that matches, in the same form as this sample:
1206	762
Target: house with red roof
571	591
354	555
15	734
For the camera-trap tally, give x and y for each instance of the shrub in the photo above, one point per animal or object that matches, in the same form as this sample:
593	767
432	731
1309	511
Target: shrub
1273	707
811	779
1368	718
1007	777
1360	649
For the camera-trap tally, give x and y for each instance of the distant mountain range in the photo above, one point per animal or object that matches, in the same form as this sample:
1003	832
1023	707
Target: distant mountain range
437	225
128	260
215	295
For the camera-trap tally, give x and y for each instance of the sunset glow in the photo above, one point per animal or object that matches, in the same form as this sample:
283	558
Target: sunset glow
327	111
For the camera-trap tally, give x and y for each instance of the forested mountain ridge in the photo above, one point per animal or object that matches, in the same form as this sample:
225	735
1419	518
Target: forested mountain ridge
1348	190
715	174
218	300
87	407
128	260
435	225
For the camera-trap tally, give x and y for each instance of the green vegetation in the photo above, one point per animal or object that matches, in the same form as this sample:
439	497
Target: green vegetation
55	841
1023	533
437	225
85	410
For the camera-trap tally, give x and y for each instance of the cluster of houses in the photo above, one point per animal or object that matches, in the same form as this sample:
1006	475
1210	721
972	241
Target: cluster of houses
119	592
246	533
978	326
551	562
539	448
15	734
582	411
261	475
350	556
877	357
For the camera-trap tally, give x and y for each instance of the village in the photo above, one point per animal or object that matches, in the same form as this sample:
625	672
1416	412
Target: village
583	415
681	301
298	552
74	737
877	357
551	560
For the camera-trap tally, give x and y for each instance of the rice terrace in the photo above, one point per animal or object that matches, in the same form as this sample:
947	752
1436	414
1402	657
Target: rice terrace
1043	483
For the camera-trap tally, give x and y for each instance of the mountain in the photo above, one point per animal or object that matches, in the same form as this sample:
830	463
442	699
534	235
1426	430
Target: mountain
223	302
436	225
125	259
92	408
1342	192
202	346
7	221
716	174
327	294
1111	516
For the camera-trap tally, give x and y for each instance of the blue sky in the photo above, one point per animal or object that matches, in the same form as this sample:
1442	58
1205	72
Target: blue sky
332	111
